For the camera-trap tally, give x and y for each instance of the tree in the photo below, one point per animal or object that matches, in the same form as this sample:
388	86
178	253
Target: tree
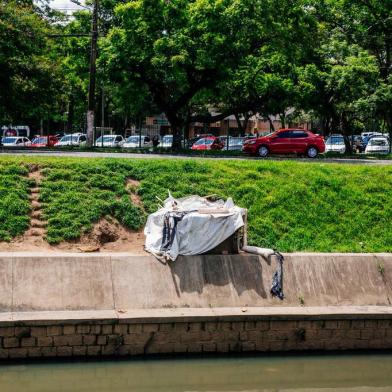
367	24
178	49
72	50
28	78
334	87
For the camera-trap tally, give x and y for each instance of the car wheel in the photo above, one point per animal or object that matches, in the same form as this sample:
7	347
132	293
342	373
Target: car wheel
263	151
312	152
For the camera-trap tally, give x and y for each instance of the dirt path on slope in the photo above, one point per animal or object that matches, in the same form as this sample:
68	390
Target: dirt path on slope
107	235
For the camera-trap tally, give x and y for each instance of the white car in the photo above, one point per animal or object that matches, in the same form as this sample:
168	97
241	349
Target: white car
136	141
235	143
166	142
367	134
15	141
110	141
377	145
335	143
75	139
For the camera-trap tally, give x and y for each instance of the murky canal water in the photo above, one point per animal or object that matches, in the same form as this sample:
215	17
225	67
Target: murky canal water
363	373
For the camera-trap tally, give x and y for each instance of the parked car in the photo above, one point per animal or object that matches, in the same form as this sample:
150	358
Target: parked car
208	143
42	141
15	141
166	142
136	141
110	141
369	134
377	145
335	143
75	139
193	140
286	141
234	143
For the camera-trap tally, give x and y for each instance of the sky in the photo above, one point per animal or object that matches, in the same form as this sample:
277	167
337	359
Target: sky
63	5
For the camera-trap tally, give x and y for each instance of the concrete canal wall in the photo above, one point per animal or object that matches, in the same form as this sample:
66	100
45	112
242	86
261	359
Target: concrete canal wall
120	304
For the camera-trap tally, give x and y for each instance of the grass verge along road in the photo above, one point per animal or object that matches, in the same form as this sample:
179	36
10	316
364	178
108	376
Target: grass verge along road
292	206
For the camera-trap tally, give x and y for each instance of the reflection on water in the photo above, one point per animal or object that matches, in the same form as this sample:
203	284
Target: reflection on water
337	373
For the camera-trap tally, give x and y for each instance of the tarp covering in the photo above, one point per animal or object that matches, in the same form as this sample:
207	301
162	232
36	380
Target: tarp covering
190	226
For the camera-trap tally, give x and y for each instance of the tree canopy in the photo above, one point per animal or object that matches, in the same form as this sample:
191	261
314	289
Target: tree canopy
329	60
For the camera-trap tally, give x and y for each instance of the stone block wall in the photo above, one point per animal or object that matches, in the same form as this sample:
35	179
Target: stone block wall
114	338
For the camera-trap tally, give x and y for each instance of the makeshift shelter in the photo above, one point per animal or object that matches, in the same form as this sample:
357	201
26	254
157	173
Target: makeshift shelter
191	226
194	225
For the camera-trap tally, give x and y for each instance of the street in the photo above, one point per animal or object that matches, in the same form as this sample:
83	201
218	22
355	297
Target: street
89	154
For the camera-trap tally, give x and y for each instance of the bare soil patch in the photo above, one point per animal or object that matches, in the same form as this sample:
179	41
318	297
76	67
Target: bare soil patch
131	186
108	235
132	183
33	238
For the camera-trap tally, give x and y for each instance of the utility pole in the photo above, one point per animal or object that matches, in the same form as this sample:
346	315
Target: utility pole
91	88
103	107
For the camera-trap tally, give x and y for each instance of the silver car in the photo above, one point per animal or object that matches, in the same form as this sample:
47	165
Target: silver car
15	141
377	145
137	141
335	143
75	139
110	141
235	143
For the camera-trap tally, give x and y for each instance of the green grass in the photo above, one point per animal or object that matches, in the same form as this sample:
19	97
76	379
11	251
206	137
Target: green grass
293	206
14	204
74	196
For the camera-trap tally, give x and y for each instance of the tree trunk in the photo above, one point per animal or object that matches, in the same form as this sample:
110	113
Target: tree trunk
70	113
388	120
346	133
271	123
176	126
246	121
283	120
239	123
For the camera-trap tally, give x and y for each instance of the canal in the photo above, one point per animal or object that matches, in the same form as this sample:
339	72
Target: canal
310	373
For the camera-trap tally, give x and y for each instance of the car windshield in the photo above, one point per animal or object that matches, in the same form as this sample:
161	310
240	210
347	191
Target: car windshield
134	139
377	142
9	140
335	140
39	140
107	138
204	141
69	138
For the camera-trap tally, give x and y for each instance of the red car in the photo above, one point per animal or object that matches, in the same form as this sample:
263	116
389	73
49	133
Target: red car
42	141
286	141
208	143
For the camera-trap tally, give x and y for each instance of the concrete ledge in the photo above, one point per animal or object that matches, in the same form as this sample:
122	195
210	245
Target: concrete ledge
182	315
110	281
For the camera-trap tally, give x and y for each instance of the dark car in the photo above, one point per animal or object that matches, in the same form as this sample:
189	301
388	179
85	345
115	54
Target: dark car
286	141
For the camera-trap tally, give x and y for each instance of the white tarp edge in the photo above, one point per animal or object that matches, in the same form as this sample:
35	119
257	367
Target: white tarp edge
201	226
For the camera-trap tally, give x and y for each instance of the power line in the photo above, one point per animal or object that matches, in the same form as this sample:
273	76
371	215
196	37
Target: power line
68	35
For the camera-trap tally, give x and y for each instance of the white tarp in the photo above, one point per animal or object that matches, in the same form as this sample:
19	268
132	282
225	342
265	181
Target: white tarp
199	226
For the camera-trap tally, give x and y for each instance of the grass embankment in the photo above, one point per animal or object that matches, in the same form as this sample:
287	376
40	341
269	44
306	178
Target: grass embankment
74	196
292	206
14	203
